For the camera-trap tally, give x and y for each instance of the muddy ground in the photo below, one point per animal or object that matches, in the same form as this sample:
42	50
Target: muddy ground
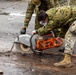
31	64
14	63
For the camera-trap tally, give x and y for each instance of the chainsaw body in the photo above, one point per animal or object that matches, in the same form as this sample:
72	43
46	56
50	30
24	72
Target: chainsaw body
35	43
48	41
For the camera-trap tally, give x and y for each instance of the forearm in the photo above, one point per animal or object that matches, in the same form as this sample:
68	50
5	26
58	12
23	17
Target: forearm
27	19
29	12
45	29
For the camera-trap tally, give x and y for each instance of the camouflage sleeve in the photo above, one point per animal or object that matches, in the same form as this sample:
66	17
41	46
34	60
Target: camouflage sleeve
50	3
45	29
29	12
56	3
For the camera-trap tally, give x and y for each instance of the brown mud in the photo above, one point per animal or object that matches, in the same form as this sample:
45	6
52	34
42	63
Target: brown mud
31	64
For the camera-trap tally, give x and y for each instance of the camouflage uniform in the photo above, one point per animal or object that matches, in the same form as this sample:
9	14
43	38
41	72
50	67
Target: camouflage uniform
47	4
60	2
70	38
70	42
59	18
72	2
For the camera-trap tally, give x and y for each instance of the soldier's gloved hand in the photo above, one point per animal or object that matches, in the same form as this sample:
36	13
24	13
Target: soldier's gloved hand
23	31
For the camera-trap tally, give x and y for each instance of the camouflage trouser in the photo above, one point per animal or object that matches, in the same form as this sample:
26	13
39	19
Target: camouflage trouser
70	39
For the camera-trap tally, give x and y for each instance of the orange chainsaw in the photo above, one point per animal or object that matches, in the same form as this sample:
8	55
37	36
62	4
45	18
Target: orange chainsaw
35	43
45	42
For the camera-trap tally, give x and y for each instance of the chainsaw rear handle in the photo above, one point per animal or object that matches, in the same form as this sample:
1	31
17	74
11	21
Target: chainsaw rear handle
31	46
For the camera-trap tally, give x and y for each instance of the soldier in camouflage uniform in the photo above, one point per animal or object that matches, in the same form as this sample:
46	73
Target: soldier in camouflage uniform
35	5
70	42
70	38
59	18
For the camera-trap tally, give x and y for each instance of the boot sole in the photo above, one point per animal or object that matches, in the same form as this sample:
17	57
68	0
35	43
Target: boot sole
64	66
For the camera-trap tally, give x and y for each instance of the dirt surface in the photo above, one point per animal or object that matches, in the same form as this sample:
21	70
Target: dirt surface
31	64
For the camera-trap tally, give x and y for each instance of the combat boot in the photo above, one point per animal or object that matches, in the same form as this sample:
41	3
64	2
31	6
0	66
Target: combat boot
66	62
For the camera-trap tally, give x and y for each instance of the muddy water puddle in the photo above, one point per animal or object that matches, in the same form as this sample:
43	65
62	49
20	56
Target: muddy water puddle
31	64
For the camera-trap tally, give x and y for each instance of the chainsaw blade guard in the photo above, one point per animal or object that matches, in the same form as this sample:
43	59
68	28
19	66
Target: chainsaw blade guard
22	43
23	39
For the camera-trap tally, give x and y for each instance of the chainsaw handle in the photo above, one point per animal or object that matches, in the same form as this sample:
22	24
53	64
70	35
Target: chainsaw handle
31	45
